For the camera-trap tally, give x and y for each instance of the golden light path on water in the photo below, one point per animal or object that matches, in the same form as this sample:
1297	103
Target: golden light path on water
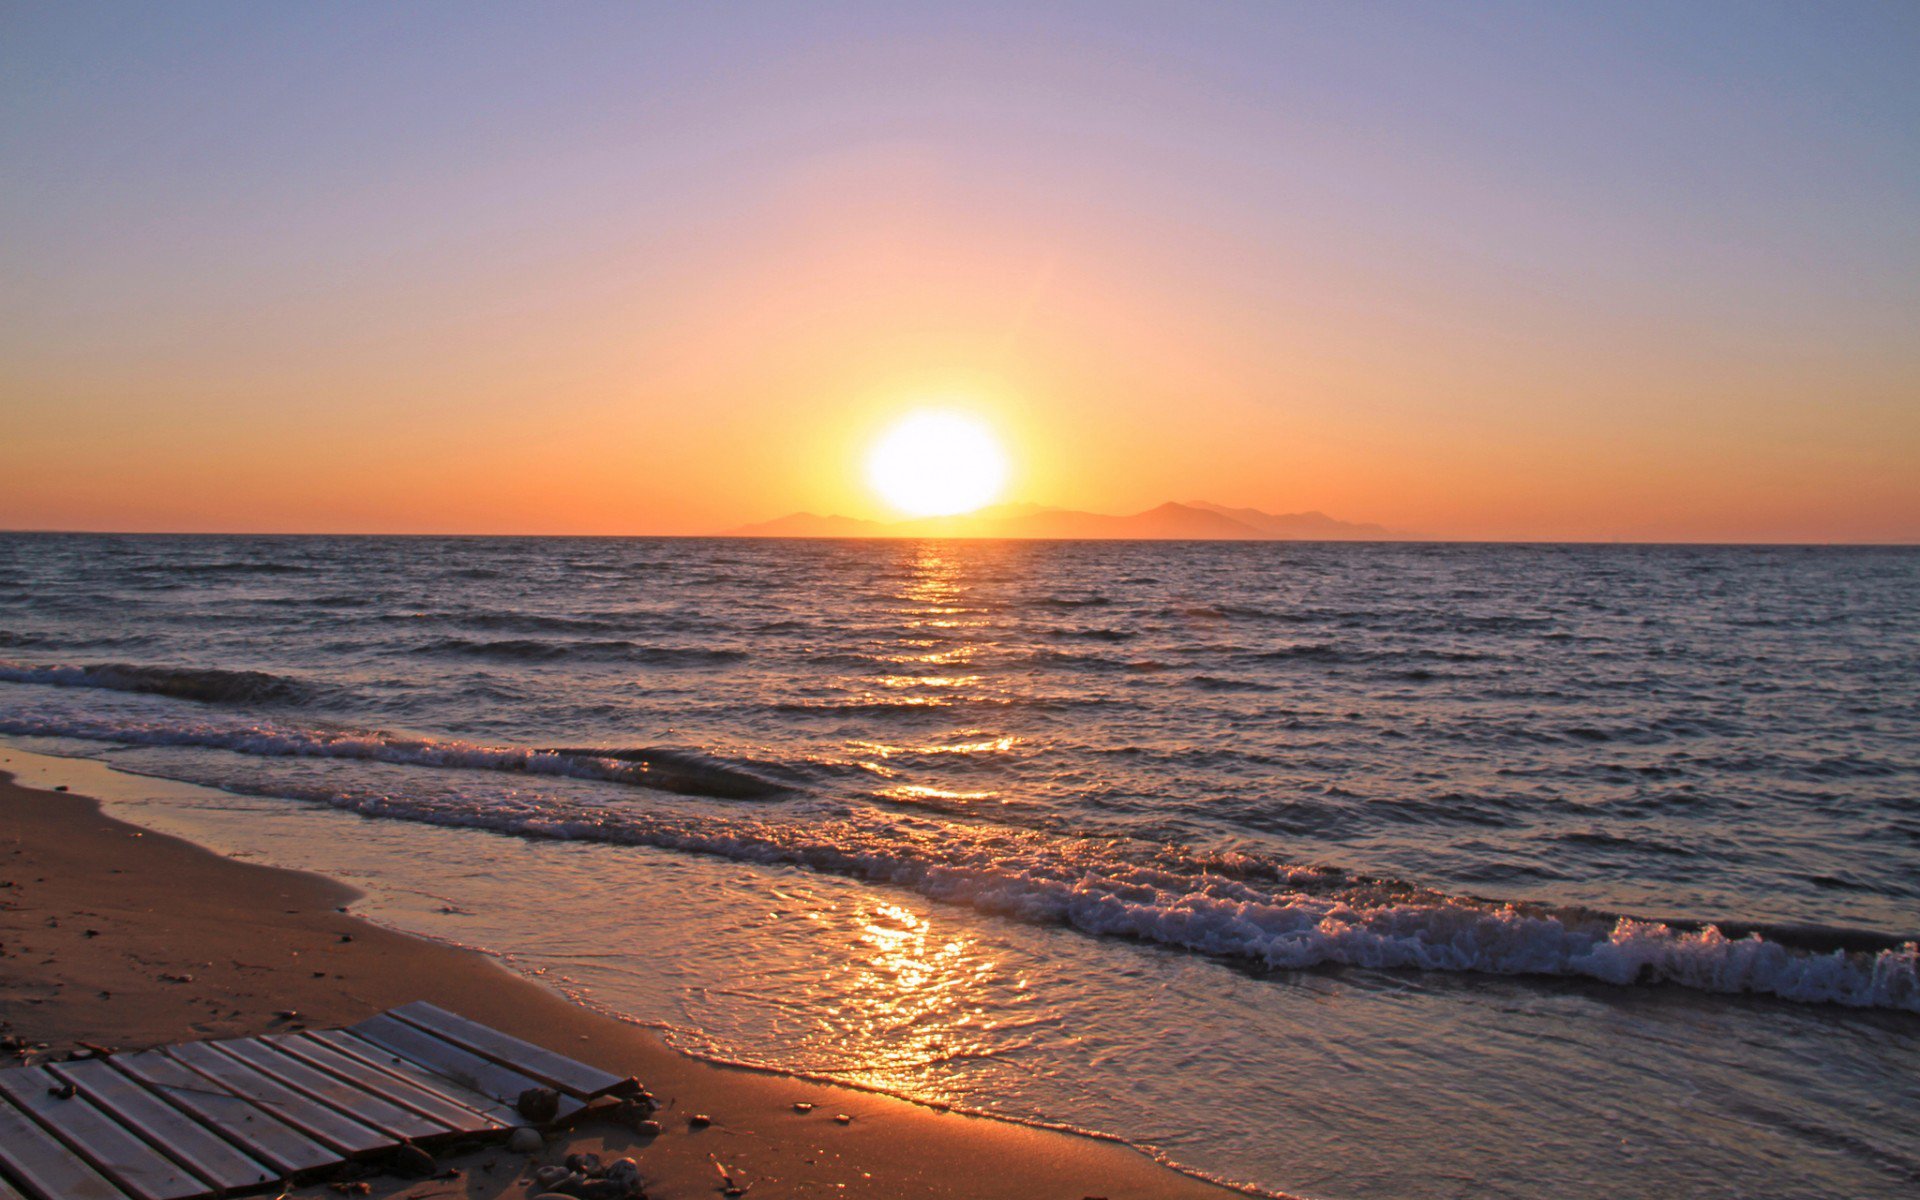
912	996
940	632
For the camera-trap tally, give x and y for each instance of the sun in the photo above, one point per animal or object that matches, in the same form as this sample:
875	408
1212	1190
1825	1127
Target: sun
937	464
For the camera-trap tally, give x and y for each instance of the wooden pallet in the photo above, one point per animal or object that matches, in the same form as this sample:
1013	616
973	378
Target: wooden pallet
244	1114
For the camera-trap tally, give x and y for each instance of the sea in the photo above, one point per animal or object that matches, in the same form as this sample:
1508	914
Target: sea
1347	871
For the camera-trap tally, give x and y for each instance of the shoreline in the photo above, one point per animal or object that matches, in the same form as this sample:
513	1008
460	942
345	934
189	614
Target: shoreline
120	936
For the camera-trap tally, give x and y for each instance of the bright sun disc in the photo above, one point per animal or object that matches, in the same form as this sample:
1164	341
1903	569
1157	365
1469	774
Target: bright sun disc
937	464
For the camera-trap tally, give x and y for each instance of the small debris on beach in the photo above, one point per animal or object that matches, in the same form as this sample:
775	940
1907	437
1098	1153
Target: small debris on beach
803	1107
410	1160
538	1104
525	1140
699	1121
585	1177
843	1118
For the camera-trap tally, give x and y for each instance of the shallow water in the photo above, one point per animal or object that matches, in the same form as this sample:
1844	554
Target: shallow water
1304	865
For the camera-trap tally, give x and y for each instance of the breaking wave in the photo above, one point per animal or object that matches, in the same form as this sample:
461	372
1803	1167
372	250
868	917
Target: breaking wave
679	771
1243	908
206	684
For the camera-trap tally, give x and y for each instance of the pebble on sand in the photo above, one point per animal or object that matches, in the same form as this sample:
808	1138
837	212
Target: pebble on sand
525	1140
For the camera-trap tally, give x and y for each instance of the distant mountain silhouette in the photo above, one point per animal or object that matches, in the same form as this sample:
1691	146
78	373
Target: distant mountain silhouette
1170	521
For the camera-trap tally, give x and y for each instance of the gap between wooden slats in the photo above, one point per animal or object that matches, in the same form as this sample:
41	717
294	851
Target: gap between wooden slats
176	1134
348	1099
383	1059
432	1103
547	1066
436	1054
109	1147
233	1117
310	1117
43	1166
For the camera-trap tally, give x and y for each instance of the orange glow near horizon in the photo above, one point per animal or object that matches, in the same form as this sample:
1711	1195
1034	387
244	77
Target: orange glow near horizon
1155	275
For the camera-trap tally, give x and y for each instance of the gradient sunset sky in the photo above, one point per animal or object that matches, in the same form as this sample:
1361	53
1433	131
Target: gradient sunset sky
1582	271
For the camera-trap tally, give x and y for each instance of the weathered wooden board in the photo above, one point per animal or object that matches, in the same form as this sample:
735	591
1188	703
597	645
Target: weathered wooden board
44	1167
235	1118
184	1139
555	1070
429	1100
124	1157
444	1058
368	1108
316	1120
211	1118
349	1043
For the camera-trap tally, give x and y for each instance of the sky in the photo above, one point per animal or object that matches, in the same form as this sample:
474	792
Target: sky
1641	271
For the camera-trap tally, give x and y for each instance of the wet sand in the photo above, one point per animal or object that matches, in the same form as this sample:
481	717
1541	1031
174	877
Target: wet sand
113	936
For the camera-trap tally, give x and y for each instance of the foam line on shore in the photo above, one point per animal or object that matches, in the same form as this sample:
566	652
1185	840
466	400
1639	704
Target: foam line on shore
1273	915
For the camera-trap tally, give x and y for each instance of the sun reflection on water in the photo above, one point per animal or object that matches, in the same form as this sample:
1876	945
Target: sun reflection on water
912	998
941	630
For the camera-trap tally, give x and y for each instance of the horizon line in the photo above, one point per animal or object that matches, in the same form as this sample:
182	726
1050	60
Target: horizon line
884	537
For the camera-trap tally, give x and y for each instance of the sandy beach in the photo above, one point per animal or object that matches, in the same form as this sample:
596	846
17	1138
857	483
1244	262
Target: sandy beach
114	936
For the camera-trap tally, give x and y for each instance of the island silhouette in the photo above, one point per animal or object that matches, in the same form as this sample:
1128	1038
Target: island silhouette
1197	520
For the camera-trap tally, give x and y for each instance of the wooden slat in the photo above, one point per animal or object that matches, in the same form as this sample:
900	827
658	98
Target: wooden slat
235	1118
555	1070
7	1192
386	1060
432	1103
181	1137
445	1058
368	1108
44	1167
139	1169
311	1117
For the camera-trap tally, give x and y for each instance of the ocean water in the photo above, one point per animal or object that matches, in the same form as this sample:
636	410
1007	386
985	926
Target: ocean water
1344	870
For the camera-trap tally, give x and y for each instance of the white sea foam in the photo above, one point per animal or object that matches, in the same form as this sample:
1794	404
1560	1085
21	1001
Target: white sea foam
1276	916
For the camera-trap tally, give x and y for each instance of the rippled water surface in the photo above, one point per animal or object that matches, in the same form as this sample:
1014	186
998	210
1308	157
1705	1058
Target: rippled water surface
1313	866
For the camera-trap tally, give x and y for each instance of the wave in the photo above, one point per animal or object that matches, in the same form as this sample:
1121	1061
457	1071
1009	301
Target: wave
1222	683
537	622
208	685
1304	919
679	771
1222	612
1310	651
1237	907
535	650
219	568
